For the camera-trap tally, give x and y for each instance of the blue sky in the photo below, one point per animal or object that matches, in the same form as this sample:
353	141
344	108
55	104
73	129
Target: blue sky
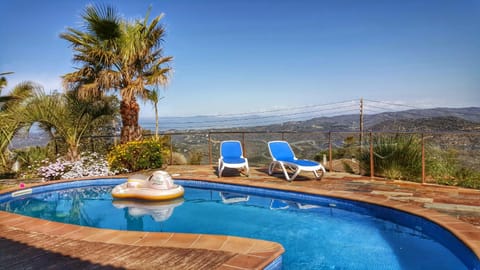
233	56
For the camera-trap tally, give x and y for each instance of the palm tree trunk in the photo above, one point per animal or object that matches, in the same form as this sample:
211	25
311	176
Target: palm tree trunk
72	152
156	121
131	131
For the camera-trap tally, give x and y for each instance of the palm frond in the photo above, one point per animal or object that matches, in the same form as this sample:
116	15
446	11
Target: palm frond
116	54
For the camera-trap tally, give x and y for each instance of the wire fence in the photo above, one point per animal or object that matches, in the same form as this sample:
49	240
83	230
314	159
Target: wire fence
435	157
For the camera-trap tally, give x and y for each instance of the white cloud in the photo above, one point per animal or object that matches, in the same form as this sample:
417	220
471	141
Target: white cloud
48	82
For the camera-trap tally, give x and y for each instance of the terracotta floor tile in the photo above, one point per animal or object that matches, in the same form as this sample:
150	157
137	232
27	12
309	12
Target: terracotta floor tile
27	223
12	220
460	226
348	187
39	226
214	242
227	267
245	261
126	238
265	254
63	229
101	236
48	227
154	239
472	235
82	233
236	244
265	246
182	240
4	215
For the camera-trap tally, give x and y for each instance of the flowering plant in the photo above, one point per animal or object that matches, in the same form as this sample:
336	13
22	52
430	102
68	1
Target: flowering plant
54	170
90	164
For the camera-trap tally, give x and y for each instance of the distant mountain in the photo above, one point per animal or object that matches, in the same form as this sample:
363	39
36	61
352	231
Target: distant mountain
448	123
437	119
418	120
454	119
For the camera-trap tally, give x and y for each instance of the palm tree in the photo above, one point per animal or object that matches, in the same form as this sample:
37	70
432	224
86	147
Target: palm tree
119	55
67	116
10	106
152	96
3	82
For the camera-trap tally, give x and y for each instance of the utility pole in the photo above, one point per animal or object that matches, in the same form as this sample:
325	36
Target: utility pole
361	125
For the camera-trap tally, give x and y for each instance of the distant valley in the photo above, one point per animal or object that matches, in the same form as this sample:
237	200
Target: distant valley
419	120
426	120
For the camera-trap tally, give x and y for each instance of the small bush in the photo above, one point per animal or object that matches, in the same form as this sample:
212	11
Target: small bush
139	155
395	157
347	168
196	157
468	178
441	164
178	159
32	155
349	149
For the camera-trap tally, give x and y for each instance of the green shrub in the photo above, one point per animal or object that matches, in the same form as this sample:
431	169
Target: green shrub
441	165
196	157
30	155
444	167
349	149
139	155
395	157
467	178
347	168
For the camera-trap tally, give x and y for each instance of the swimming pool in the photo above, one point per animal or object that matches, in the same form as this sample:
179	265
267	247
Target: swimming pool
317	232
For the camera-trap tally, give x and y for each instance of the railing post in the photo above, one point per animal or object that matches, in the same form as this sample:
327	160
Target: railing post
283	136
423	159
372	169
209	149
171	150
243	144
92	146
330	168
56	145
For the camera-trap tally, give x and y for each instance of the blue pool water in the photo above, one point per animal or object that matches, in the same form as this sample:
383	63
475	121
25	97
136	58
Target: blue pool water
317	232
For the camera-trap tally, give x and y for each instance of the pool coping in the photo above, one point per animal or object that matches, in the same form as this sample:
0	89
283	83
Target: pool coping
250	253
465	232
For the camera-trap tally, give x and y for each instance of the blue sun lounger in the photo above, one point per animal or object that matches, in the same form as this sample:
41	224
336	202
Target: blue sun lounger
231	156
283	156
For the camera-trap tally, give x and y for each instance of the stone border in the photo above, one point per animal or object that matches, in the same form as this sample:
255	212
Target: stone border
467	233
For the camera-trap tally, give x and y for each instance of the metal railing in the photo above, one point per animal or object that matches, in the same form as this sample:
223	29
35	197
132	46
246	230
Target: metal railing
430	152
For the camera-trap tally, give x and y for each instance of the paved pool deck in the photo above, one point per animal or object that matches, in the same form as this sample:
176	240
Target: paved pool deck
29	243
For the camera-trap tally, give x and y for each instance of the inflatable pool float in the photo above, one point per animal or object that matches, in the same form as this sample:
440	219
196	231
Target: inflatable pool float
159	210
157	187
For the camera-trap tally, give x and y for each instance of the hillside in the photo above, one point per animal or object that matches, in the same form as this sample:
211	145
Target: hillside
433	124
437	119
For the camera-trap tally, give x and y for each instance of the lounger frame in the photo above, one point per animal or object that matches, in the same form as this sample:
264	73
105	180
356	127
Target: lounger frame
222	163
292	164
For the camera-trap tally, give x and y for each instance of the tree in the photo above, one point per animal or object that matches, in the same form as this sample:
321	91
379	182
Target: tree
119	55
68	116
3	84
153	97
10	107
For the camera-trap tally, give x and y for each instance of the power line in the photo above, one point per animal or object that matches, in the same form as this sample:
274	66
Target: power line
237	122
283	115
280	109
236	117
393	104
